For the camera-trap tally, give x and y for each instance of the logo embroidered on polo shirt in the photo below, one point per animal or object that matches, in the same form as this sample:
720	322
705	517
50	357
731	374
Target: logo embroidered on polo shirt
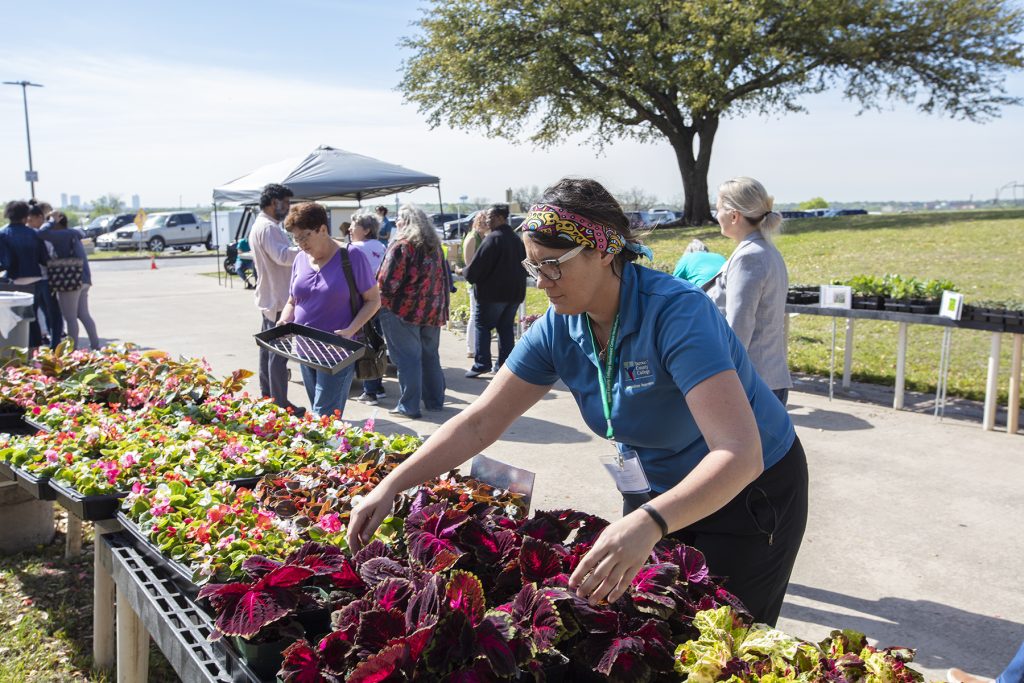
637	369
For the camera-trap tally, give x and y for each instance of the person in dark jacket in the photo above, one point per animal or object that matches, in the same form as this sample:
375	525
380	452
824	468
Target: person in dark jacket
497	274
24	257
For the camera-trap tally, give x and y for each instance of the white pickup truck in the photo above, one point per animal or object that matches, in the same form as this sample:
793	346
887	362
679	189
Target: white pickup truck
175	229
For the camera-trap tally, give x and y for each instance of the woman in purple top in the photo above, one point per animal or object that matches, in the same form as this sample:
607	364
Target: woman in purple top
363	235
319	298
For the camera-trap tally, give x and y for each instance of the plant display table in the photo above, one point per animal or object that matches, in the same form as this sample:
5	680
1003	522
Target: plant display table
904	320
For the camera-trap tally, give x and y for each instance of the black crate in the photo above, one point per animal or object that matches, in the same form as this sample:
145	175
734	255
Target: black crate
179	574
311	347
88	508
178	626
37	486
35	426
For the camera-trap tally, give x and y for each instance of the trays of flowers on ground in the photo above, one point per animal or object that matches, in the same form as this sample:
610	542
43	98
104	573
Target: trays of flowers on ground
311	347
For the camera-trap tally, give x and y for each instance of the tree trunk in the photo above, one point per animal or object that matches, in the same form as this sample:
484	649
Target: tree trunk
694	168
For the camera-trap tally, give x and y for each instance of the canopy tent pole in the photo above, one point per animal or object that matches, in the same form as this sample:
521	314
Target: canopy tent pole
440	204
216	239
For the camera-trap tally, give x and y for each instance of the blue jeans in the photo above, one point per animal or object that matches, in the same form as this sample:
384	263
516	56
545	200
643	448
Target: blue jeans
782	394
327	392
1014	672
414	351
494	316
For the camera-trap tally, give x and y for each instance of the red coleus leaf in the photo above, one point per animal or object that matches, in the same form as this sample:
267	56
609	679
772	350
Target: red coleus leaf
465	593
301	665
393	594
538	560
595	619
478	672
493	636
345	577
453	643
509	543
257	565
433	531
692	566
483	542
545	526
536	618
659	650
322	559
654	591
334	650
425	604
375	548
243	609
385	665
377	627
377	569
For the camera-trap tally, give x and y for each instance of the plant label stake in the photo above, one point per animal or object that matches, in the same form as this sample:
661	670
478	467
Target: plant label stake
952	307
504	476
834	296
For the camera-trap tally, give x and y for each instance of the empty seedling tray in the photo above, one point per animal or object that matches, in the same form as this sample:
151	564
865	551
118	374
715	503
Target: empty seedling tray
311	347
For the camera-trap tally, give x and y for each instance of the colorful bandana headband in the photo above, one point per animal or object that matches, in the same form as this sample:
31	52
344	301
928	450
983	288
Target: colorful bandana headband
549	219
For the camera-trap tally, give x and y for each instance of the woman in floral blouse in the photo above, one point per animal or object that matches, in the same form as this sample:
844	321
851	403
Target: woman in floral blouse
414	290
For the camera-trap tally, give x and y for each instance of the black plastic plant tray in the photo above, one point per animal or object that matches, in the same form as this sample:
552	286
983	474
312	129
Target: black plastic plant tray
13	423
178	626
37	486
313	348
179	573
35	426
88	508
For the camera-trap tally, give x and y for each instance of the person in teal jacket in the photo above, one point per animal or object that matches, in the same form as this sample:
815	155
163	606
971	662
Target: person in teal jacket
699	447
697	264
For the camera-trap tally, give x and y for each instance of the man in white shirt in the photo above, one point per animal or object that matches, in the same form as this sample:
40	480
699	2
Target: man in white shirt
272	254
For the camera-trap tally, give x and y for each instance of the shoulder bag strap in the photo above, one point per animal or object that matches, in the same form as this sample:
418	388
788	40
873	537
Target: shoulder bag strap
355	300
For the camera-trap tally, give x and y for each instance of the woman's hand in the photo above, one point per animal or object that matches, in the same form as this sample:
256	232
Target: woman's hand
621	550
367	516
348	332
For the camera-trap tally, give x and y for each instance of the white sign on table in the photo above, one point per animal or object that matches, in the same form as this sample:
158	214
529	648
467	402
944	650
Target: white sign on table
952	305
836	296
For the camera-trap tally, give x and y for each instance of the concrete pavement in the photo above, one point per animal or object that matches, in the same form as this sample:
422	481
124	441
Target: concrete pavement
914	534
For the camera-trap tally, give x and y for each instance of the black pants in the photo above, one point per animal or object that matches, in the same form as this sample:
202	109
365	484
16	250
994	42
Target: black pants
500	317
753	541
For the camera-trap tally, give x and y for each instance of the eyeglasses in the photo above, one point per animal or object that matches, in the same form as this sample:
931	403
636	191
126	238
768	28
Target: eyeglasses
302	238
550	268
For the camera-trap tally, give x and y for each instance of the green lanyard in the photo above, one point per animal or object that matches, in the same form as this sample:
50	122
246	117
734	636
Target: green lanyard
606	375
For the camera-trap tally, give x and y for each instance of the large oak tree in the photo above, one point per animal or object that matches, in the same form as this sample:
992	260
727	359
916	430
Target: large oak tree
671	69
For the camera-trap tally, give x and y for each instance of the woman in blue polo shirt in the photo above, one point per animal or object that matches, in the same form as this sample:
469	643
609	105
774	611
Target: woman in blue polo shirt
699	445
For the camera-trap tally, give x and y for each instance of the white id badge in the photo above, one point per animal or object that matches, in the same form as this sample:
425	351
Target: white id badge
626	470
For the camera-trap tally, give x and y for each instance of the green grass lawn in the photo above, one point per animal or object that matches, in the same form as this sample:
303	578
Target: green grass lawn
980	251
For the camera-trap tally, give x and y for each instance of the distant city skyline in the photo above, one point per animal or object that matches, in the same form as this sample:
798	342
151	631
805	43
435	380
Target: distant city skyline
175	118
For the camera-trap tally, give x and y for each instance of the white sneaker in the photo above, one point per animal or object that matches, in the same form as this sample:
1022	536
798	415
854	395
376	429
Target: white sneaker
368	399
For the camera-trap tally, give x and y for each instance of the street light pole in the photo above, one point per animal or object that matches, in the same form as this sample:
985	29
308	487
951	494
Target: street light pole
31	175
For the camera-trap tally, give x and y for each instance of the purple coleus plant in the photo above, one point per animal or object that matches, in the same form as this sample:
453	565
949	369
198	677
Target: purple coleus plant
276	589
478	596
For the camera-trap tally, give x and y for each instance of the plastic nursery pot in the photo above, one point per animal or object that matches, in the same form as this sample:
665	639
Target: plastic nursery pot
924	306
897	305
316	622
870	303
264	659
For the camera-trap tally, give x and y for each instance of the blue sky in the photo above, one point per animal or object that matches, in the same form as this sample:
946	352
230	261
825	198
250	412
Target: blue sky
171	99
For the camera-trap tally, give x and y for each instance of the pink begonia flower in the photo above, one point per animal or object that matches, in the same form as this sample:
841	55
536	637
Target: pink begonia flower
162	507
331	523
225	542
51	455
368	425
344	447
129	459
139	488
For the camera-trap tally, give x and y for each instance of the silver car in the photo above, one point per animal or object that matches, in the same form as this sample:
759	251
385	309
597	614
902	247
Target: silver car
179	230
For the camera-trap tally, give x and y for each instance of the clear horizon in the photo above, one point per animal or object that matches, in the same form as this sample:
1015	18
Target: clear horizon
210	93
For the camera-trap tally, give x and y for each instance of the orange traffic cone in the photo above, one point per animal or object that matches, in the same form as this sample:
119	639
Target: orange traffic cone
152	262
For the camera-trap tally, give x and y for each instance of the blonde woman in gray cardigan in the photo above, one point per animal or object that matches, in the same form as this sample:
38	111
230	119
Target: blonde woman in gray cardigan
751	288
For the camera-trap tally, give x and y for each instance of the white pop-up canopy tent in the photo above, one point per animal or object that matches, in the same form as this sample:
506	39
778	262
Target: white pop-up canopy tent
327	174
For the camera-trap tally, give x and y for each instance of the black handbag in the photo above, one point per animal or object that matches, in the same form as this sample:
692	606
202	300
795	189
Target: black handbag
374	362
65	274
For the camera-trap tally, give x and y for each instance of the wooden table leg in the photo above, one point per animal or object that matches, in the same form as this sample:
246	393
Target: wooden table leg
988	421
73	542
848	354
901	366
103	605
1013	408
132	645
